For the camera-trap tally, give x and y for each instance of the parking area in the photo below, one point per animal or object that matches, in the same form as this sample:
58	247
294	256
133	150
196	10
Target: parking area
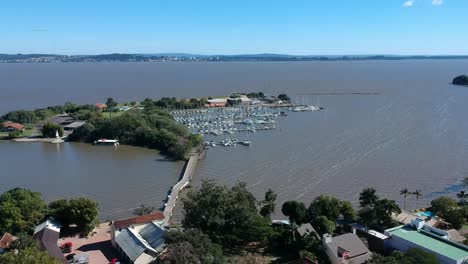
97	246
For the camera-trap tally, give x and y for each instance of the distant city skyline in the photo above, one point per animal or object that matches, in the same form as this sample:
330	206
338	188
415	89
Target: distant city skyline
208	27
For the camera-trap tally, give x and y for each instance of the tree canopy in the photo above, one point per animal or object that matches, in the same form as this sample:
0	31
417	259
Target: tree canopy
152	128
296	211
82	212
20	210
227	216
268	204
30	255
368	197
191	246
49	130
412	256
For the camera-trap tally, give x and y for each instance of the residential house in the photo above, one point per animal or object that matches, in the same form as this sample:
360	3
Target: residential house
345	249
418	234
140	239
101	106
47	233
6	241
12	126
74	125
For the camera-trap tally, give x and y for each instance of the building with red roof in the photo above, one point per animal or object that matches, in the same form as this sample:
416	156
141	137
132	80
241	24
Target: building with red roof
12	126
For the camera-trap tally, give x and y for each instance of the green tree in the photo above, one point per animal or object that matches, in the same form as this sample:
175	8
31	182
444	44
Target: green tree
200	248
82	212
368	197
31	255
323	225
227	216
296	211
269	203
462	196
284	97
449	210
111	105
384	209
49	130
325	205
20	210
405	194
367	216
347	211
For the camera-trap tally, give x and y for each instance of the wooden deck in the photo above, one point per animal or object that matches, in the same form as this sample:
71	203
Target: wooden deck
184	181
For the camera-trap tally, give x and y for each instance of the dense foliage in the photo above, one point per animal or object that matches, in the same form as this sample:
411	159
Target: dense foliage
227	216
83	212
20	210
29	255
376	212
452	212
41	114
49	130
174	103
412	256
191	246
461	80
153	128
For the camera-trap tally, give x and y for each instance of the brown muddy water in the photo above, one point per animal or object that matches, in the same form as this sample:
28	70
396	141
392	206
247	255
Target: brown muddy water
413	134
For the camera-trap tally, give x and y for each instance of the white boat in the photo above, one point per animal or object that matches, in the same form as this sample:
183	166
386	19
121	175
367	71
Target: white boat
106	142
246	142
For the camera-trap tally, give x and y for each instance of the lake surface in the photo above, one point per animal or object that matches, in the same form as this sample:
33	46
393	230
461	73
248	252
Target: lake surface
119	179
413	134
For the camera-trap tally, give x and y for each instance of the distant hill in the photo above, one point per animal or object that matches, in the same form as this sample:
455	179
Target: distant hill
461	80
164	57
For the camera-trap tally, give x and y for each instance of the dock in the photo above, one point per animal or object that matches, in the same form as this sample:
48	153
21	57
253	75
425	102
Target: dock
184	181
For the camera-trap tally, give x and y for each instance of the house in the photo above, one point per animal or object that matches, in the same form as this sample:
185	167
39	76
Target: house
6	241
101	106
74	125
47	233
345	249
418	234
217	102
140	239
12	126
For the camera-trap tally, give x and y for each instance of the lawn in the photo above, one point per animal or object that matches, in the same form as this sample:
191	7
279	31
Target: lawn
114	114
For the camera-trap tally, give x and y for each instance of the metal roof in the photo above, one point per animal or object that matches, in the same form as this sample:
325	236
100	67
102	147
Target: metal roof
154	235
130	244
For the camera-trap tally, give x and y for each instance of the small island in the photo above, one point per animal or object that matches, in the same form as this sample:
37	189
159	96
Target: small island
461	80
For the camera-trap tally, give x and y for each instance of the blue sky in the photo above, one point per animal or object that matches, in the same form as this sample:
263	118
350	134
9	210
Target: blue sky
234	26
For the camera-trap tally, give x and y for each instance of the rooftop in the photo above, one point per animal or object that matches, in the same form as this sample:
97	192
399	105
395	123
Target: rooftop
137	220
438	245
349	242
13	125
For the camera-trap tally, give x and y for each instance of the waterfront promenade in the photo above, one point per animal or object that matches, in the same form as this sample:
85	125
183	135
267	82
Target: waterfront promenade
184	181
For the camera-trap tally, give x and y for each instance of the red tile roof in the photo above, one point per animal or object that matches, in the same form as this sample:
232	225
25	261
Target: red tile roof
13	125
6	240
101	106
119	224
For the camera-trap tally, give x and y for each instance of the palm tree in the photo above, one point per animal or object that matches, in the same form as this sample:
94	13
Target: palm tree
462	195
417	194
405	194
368	197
